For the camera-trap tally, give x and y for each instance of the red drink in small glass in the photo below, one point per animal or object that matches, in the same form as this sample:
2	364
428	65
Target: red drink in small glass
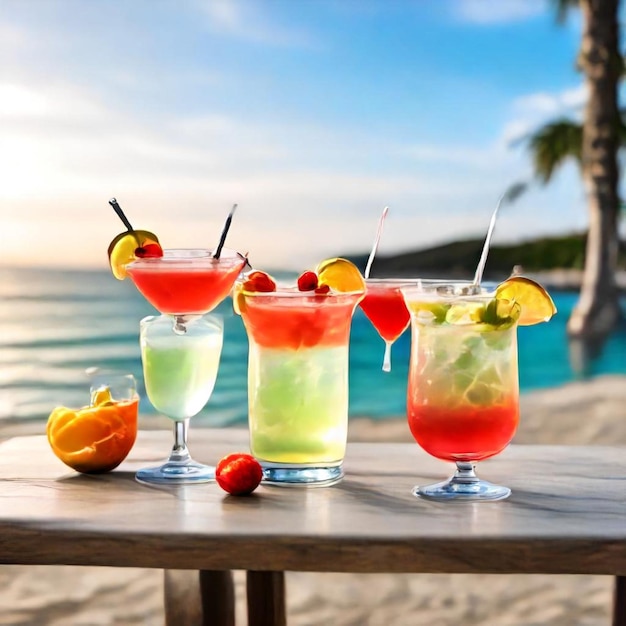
384	306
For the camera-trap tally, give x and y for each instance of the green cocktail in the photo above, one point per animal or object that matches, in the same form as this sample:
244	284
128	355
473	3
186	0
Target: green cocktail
298	404
180	366
180	371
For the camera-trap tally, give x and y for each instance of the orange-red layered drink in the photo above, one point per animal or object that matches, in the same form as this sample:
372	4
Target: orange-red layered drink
298	381
463	391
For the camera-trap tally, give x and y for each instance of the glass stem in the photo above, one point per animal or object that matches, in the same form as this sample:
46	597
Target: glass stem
465	473
179	453
387	357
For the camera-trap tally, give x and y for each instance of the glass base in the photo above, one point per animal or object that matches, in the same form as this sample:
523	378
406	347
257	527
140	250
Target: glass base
176	474
476	490
301	476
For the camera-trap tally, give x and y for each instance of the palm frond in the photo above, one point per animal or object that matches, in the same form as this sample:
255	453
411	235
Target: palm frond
562	8
553	144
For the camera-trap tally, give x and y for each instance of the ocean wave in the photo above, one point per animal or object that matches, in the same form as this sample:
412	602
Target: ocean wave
54	325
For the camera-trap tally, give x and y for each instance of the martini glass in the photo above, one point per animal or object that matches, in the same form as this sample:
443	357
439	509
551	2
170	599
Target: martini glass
384	306
186	283
463	390
179	373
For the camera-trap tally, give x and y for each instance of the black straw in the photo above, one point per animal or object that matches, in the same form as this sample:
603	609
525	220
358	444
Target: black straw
220	245
118	209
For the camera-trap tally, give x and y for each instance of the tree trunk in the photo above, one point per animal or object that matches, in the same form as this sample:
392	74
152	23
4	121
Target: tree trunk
597	310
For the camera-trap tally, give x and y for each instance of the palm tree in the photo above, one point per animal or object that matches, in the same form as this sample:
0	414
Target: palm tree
594	146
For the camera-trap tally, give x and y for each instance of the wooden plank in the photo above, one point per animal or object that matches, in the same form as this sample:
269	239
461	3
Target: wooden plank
266	598
566	514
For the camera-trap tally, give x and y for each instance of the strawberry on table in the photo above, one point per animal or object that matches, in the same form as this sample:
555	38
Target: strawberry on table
238	473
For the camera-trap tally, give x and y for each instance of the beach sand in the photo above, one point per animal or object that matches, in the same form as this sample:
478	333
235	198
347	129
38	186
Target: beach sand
591	412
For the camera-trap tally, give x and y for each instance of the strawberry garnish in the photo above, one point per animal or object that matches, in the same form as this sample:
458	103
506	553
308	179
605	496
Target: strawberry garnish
149	251
238	474
322	289
259	281
307	281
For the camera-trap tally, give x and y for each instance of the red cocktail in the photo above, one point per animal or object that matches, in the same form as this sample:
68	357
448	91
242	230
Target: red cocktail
384	306
186	282
464	432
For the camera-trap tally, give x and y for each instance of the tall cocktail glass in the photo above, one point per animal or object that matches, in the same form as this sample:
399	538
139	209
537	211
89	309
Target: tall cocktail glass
298	382
180	368
186	282
463	390
384	306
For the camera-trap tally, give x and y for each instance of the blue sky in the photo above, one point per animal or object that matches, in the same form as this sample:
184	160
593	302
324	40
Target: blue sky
312	115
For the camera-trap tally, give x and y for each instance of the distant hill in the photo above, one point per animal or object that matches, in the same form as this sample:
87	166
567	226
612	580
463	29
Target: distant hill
459	258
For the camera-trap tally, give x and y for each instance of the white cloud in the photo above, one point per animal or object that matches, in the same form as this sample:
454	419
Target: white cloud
49	102
243	20
531	111
497	11
305	190
12	36
545	103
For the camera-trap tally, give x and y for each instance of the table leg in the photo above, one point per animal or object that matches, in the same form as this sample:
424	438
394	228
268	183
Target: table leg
619	601
218	598
205	598
266	598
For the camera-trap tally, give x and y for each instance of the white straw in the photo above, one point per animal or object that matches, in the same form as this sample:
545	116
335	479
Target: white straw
379	232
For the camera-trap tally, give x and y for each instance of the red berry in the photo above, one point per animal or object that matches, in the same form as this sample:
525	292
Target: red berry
322	289
149	251
259	281
307	281
239	474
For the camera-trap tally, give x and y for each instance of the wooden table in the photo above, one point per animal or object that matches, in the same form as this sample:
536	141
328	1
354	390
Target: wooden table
567	515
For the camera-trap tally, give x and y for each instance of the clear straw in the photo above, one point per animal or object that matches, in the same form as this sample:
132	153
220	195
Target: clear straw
379	232
509	196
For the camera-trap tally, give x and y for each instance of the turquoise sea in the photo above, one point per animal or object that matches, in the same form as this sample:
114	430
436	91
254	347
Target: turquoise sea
55	324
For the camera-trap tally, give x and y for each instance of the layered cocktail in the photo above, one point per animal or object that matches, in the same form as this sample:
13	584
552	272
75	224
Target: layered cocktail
463	390
298	378
180	349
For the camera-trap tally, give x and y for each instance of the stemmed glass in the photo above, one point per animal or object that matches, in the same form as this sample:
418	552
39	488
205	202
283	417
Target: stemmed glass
463	390
384	306
186	282
180	368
